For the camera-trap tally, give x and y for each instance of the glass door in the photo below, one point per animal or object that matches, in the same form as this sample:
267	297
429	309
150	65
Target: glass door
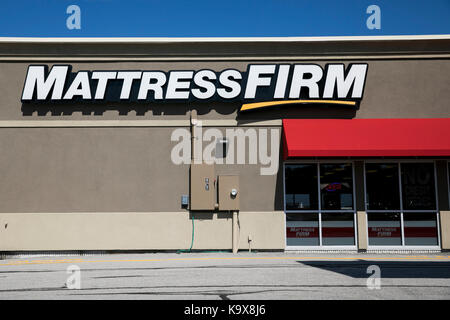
319	205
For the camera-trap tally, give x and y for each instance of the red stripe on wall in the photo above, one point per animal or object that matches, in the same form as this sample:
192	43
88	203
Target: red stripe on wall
420	232
343	232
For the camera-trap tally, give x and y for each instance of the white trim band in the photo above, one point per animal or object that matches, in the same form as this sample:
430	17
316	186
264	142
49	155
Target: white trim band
218	39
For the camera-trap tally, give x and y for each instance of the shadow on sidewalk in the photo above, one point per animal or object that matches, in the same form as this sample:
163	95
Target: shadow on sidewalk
389	269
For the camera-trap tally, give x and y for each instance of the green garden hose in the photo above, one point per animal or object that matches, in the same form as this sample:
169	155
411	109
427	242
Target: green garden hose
192	242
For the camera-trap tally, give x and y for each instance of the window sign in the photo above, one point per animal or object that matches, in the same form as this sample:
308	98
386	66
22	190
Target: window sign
302	229
384	228
418	187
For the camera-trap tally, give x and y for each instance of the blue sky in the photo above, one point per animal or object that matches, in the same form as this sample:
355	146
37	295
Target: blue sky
229	18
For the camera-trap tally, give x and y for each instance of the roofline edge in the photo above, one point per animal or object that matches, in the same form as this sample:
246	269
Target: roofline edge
218	39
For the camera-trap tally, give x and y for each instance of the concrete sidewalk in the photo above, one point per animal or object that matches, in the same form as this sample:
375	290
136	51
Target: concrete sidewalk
265	276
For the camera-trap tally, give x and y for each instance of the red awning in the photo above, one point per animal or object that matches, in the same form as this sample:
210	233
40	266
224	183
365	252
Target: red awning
366	137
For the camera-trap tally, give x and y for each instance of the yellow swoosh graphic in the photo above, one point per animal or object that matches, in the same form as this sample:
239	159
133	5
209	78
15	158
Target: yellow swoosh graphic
250	106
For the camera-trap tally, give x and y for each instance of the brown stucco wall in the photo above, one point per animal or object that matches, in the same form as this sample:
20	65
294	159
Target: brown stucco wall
109	170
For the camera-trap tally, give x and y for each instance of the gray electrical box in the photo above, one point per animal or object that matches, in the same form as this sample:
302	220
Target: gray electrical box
228	193
203	191
184	201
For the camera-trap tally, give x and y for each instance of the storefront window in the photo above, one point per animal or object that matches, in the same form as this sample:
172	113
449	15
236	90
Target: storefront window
338	229
330	222
301	187
382	186
420	228
302	229
401	223
384	228
336	186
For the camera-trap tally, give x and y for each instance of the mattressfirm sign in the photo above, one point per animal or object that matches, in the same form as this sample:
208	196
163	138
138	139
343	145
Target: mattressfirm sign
262	85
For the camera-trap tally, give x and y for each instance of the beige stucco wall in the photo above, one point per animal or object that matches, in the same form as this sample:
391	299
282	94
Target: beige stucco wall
361	219
266	230
445	229
137	231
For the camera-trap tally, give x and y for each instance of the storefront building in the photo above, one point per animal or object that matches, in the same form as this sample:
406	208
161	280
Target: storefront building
338	143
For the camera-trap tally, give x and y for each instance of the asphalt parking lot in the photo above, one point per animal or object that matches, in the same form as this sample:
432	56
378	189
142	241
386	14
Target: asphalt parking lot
225	276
